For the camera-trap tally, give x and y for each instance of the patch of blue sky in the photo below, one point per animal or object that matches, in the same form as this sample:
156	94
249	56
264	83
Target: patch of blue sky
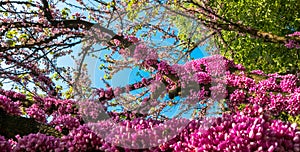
128	75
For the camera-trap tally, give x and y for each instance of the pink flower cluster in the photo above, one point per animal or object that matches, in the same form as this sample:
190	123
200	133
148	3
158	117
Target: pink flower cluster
218	92
203	78
12	94
9	106
142	52
139	133
36	112
249	130
277	93
292	43
4	144
164	68
60	106
132	38
196	74
237	96
65	121
288	84
83	139
37	142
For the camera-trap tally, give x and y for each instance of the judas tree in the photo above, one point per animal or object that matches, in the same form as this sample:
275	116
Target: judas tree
259	111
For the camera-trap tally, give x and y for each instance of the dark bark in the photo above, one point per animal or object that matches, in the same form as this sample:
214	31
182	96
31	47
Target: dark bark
11	125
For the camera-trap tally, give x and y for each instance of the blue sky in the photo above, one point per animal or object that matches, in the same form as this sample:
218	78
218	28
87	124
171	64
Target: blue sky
123	77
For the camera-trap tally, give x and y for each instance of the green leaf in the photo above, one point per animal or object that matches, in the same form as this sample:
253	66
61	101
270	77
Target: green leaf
101	66
11	34
65	12
55	76
58	88
11	43
68	93
122	117
107	77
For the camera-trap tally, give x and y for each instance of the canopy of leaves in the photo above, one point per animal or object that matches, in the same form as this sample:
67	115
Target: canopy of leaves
280	17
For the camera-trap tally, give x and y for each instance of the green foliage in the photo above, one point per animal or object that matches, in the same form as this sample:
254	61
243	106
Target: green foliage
111	5
68	94
133	8
107	77
123	117
189	30
23	36
289	118
11	43
280	17
255	54
282	116
58	88
11	34
55	76
65	12
242	106
101	66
